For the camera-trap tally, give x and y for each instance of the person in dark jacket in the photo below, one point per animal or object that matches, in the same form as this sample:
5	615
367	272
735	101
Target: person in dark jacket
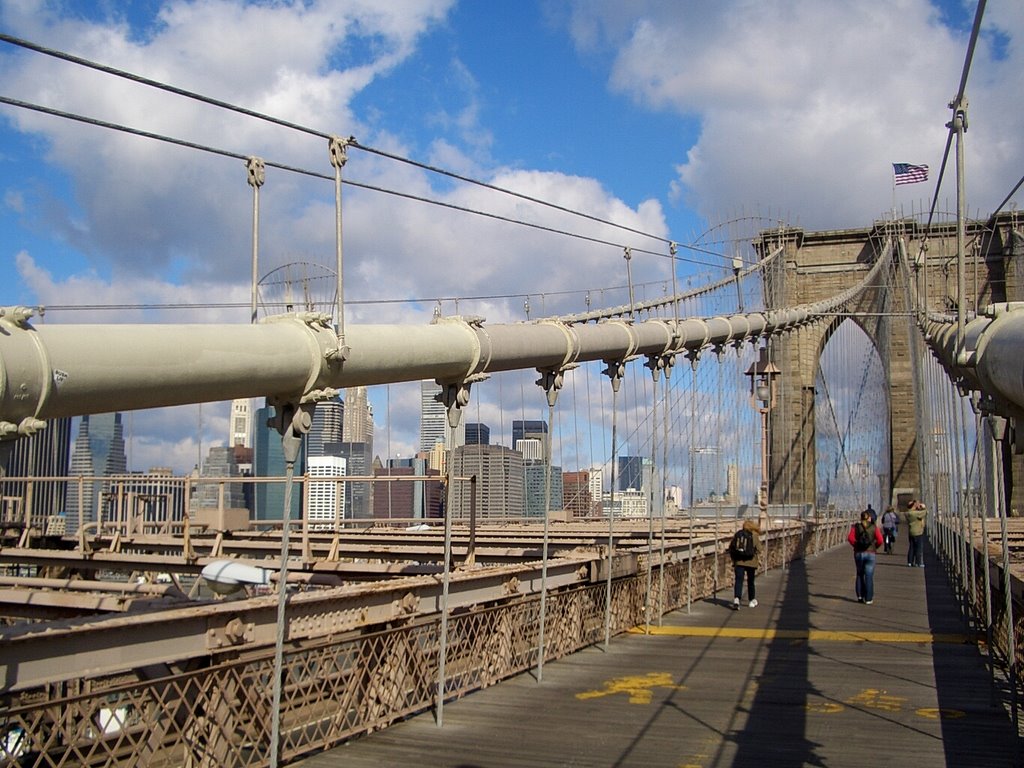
890	524
745	566
865	538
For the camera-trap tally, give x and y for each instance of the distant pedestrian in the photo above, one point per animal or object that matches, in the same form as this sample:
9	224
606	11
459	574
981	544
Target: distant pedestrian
916	516
865	538
745	549
871	511
890	526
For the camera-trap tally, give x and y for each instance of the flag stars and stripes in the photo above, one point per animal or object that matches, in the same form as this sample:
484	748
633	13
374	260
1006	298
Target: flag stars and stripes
908	173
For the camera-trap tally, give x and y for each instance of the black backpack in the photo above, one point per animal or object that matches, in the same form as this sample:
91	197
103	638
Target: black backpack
864	537
743	544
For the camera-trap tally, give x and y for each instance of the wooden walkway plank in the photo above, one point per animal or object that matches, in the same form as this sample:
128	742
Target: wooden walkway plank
810	677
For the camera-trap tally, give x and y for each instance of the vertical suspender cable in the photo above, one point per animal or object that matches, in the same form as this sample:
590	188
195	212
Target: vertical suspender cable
989	494
614	372
957	447
718	461
337	150
552	393
1011	644
654	363
689	532
256	174
970	502
664	473
445	585
290	443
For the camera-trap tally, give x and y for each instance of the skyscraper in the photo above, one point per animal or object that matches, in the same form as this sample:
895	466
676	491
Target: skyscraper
531	448
325	498
433	418
500	477
268	461
631	473
530	429
98	452
358	424
327	426
411	499
535	490
358	462
220	463
576	493
709	481
434	426
240	424
44	454
597	487
477	434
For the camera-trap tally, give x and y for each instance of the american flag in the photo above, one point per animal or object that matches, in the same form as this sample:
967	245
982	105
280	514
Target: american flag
906	173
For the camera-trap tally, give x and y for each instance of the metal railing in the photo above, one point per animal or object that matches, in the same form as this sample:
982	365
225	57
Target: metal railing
339	686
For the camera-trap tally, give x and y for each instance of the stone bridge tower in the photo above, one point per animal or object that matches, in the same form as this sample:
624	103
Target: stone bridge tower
819	265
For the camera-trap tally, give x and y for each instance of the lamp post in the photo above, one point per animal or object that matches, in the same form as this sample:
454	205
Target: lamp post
762	375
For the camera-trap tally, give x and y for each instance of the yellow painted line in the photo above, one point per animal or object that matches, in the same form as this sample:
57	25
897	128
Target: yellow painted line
823	635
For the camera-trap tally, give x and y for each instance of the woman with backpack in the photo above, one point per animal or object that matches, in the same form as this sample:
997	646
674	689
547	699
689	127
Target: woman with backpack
890	523
865	538
745	549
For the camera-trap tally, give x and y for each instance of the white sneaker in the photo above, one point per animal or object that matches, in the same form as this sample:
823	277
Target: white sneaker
735	603
753	603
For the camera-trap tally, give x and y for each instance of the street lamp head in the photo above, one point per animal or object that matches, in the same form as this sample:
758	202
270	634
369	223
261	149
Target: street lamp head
762	381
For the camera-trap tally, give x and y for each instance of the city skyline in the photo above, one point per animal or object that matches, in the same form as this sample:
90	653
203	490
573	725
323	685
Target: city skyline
713	139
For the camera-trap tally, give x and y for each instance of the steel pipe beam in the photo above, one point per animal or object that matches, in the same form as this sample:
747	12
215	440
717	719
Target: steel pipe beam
51	371
991	360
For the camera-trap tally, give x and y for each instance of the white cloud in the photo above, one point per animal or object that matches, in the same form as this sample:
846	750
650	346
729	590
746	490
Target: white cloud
188	211
803	104
136	299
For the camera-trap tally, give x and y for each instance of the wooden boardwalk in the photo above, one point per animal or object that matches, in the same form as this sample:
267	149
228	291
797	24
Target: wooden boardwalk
810	677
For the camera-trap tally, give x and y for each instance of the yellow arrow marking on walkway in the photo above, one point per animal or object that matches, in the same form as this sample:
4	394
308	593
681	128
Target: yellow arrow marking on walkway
807	634
639	687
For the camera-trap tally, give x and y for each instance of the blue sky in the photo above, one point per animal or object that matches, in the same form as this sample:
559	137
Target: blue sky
670	118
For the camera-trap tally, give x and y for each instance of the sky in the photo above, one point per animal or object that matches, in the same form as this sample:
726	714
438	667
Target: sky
677	119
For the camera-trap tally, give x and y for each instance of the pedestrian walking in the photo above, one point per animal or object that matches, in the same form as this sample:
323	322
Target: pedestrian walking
871	511
916	523
865	538
745	550
890	527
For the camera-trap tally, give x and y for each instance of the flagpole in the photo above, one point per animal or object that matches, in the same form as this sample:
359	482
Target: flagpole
893	195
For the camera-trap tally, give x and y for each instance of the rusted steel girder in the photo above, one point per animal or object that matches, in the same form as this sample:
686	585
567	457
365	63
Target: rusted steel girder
32	654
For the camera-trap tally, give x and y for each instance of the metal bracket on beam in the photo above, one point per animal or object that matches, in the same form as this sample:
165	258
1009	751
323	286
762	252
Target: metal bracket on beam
454	396
18	315
658	363
615	370
551	381
693	355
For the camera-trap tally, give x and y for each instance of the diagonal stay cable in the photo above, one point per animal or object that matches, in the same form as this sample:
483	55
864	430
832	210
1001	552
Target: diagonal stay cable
315	174
221	104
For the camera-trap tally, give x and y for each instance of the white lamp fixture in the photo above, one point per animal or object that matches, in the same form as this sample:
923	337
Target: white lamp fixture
225	577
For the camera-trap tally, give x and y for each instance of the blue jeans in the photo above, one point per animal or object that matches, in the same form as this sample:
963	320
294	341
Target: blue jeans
915	554
750	572
865	584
